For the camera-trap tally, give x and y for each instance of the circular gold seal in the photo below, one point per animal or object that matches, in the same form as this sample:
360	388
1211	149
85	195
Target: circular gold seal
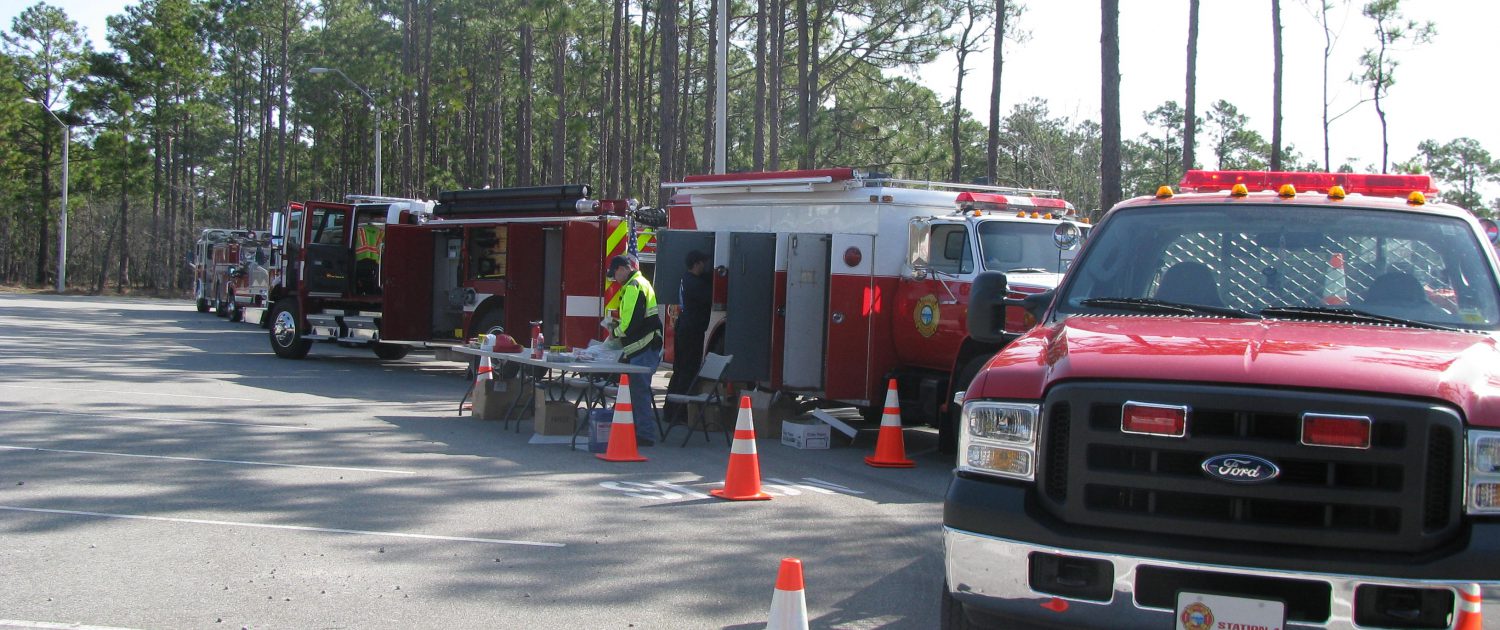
1197	616
927	315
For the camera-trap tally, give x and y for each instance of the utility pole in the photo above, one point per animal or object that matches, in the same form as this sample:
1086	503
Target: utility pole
373	106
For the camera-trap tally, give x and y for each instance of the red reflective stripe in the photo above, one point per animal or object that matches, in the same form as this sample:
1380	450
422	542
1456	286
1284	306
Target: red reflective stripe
623	407
740	434
1475	598
893	411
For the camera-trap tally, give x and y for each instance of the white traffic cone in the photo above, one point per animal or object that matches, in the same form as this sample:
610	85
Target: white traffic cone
1335	287
788	601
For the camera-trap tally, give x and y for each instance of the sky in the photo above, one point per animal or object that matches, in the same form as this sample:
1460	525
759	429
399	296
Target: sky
1444	90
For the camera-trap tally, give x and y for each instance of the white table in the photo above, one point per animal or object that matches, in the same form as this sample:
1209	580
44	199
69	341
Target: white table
535	377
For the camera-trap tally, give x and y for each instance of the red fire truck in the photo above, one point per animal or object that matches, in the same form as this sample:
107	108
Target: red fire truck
1266	403
223	262
396	273
828	282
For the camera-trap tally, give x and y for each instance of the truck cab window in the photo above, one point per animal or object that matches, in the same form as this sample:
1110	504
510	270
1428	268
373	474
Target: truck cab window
328	227
950	250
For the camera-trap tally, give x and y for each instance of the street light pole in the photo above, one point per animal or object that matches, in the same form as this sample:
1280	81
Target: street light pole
373	106
62	217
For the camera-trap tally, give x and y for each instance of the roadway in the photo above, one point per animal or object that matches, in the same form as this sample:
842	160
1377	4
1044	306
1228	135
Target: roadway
161	468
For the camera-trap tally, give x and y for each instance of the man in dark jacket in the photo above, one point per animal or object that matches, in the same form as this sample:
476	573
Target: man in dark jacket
639	331
695	295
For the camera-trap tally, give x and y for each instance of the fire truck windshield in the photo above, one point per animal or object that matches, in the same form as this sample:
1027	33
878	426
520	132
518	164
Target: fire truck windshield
1342	264
1020	246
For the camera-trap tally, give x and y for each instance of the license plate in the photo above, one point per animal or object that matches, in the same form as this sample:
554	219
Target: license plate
1201	611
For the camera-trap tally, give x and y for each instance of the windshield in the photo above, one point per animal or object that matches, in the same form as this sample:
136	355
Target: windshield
1401	265
1011	246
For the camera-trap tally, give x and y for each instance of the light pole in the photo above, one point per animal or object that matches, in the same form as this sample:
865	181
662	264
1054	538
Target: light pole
373	106
62	217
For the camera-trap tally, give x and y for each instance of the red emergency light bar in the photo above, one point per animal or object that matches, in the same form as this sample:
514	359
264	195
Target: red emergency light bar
834	174
973	197
1362	183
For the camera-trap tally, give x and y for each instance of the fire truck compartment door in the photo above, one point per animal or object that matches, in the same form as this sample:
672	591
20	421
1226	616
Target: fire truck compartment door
752	281
672	247
523	278
405	312
853	298
806	311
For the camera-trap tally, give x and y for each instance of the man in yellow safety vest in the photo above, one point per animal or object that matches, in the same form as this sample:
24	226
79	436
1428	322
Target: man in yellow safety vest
369	244
639	330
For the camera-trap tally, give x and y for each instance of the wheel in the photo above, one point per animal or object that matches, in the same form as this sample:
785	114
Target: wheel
391	351
236	314
221	307
948	426
286	331
202	305
951	615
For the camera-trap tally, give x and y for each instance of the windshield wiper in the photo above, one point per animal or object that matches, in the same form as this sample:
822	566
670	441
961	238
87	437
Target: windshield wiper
1153	305
1345	315
1026	270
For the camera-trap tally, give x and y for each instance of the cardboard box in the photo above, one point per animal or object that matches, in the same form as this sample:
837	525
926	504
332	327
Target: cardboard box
494	397
553	417
805	434
769	412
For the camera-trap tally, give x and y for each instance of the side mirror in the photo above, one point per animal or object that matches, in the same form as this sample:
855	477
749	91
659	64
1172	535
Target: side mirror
278	225
1067	235
987	307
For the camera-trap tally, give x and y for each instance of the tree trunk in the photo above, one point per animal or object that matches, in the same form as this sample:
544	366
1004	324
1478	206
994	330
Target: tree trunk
524	121
122	273
958	97
1190	115
992	153
804	88
710	85
559	122
1109	95
1276	91
758	151
667	134
44	217
778	54
1327	52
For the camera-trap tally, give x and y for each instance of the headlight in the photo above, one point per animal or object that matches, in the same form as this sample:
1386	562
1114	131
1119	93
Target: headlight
1484	472
999	439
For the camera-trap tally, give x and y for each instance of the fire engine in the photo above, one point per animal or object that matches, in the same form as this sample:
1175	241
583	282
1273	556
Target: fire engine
828	282
393	273
223	263
1264	400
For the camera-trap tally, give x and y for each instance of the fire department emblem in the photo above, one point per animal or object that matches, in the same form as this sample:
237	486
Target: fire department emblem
926	315
1197	616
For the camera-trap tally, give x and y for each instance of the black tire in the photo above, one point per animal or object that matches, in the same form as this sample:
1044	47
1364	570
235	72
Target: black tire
202	305
391	351
287	330
948	427
236	314
951	616
221	308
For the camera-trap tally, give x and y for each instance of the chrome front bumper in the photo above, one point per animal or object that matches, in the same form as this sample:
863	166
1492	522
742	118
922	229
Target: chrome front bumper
990	574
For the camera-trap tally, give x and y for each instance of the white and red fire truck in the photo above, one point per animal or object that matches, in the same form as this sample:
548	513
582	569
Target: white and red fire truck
828	282
477	261
223	263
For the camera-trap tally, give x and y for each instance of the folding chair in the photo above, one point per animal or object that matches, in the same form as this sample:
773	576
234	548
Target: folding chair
712	372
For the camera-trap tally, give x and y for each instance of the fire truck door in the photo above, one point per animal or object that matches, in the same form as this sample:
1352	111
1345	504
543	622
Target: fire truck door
806	311
523	278
552	253
752	280
672	247
405	314
853	298
329	258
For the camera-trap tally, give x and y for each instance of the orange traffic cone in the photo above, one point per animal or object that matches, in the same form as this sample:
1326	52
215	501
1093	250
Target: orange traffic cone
622	447
1469	614
742	480
890	447
788	603
1335	286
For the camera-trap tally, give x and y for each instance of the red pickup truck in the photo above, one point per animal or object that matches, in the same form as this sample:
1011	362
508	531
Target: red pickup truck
1270	409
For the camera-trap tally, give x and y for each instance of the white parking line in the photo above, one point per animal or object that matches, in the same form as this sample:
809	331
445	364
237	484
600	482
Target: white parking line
200	459
299	528
127	393
95	415
52	625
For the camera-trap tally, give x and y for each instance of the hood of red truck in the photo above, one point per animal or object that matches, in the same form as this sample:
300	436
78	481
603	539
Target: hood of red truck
1462	369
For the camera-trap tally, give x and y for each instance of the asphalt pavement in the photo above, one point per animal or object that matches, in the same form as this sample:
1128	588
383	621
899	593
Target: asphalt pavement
161	468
